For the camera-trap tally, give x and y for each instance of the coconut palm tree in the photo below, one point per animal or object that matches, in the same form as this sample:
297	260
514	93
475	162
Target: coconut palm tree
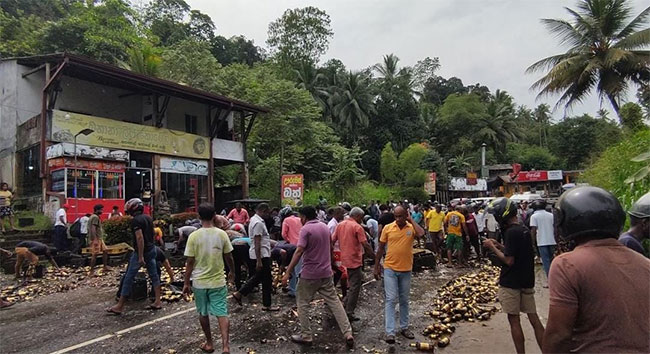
542	117
606	53
388	69
142	60
498	126
313	80
353	102
459	165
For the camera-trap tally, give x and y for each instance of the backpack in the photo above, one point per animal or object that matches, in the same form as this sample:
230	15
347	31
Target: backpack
75	229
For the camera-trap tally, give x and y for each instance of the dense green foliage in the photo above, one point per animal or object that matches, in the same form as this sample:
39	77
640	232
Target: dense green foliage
345	130
118	230
615	165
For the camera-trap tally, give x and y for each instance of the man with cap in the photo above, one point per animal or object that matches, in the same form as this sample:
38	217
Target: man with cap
517	278
599	290
639	225
61	228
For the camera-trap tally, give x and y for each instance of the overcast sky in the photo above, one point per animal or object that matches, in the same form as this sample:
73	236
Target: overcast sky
490	42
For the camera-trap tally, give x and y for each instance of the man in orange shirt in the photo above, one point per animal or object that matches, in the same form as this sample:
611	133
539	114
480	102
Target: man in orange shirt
239	215
291	226
352	241
399	236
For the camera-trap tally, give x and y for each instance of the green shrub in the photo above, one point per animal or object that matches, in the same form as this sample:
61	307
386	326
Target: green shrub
179	219
117	230
614	166
358	194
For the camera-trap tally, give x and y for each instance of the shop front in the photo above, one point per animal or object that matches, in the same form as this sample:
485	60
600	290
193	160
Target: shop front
461	187
545	183
185	182
119	160
87	183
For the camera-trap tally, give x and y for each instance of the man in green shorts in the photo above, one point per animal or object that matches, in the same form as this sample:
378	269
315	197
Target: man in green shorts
205	250
455	226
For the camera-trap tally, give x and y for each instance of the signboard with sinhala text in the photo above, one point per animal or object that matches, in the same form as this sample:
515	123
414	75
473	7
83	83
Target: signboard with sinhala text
112	133
292	190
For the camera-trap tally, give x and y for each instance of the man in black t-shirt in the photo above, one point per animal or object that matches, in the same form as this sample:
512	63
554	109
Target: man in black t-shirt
161	261
144	255
517	278
29	251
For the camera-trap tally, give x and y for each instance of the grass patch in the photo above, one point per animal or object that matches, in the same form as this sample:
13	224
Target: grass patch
41	222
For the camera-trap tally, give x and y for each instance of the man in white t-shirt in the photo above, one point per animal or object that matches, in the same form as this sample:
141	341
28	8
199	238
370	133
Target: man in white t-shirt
260	252
61	228
543	232
479	216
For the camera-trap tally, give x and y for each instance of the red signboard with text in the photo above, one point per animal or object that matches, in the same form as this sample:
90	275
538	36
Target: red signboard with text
532	176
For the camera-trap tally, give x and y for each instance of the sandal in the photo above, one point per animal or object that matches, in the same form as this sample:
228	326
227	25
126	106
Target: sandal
152	307
271	308
112	312
298	338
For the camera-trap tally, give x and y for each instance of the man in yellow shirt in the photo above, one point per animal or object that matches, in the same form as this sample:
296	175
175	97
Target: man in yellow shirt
455	225
399	236
6	212
434	221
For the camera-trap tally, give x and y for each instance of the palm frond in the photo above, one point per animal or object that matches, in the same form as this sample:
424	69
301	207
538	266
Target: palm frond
635	24
635	40
564	31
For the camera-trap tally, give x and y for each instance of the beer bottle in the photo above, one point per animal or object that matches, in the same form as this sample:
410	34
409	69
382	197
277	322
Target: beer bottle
422	346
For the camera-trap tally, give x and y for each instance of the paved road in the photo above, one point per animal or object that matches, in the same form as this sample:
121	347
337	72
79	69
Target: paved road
64	320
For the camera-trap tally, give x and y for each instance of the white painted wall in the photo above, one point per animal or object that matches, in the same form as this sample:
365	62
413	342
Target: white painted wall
20	99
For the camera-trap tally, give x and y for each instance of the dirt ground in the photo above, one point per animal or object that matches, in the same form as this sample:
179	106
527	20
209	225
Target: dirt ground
59	321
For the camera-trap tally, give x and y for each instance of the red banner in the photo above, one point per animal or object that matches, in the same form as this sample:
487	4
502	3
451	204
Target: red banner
532	176
87	164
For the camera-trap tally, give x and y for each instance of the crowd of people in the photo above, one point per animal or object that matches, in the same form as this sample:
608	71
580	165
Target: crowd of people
598	279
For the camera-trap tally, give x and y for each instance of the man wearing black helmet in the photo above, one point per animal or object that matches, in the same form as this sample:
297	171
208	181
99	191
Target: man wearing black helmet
599	291
517	278
639	225
145	255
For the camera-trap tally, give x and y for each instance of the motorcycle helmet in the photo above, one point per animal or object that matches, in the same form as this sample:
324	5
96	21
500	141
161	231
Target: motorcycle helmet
588	210
133	205
641	208
538	204
286	211
502	208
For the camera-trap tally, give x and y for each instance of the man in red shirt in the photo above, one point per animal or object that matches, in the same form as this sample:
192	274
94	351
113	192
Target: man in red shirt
239	215
353	242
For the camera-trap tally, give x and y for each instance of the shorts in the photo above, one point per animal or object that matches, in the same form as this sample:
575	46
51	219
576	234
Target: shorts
211	301
97	246
514	301
454	242
6	211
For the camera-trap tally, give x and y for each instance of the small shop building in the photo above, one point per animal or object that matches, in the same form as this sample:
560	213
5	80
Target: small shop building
80	131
